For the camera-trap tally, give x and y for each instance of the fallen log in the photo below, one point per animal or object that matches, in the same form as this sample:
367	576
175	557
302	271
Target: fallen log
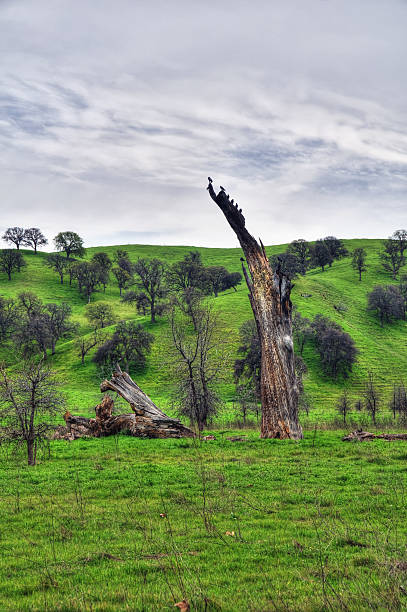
366	436
146	420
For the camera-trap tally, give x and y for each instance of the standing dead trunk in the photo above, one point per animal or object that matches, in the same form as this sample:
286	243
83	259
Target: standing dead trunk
269	294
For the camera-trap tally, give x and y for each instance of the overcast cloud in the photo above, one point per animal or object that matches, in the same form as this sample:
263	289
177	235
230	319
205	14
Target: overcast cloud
113	113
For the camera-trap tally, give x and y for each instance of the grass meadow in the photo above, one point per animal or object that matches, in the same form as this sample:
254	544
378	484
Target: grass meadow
258	525
132	524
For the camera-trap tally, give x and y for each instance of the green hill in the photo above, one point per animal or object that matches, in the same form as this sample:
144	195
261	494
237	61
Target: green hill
381	350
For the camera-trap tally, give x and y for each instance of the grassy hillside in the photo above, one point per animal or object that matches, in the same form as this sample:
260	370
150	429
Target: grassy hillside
382	350
122	523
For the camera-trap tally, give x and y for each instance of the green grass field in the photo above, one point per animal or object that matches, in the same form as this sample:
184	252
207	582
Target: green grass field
381	350
258	525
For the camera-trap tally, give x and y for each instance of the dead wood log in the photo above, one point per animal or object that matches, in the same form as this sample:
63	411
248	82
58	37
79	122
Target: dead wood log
269	294
366	436
146	420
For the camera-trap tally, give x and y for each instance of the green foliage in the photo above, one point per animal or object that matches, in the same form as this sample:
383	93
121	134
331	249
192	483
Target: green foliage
71	243
100	314
358	261
11	260
129	345
392	256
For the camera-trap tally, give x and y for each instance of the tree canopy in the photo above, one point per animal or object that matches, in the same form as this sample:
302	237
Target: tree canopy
71	243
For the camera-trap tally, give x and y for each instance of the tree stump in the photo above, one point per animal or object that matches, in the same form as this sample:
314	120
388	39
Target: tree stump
366	436
146	420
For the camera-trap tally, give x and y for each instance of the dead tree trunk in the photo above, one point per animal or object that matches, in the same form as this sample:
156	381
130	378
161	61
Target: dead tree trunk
146	420
366	436
269	294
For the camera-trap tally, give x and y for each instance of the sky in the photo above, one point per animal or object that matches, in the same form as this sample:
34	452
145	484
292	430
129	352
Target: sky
114	112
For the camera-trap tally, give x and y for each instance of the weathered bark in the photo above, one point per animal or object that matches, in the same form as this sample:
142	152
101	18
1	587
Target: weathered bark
146	420
366	436
269	294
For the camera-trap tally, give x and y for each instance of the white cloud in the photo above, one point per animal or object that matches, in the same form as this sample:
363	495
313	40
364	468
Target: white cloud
112	117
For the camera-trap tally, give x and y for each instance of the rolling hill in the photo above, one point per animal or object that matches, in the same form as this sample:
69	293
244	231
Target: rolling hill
381	350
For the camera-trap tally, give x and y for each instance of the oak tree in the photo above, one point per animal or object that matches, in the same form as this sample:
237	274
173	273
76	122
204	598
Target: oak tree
358	261
71	243
10	261
14	235
392	257
34	238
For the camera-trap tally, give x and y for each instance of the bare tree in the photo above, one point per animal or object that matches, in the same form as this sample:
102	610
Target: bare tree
343	406
15	235
269	294
84	344
359	405
372	398
33	237
247	402
29	400
198	356
29	303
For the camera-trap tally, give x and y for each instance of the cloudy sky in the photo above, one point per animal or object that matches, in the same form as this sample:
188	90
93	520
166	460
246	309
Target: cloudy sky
114	112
